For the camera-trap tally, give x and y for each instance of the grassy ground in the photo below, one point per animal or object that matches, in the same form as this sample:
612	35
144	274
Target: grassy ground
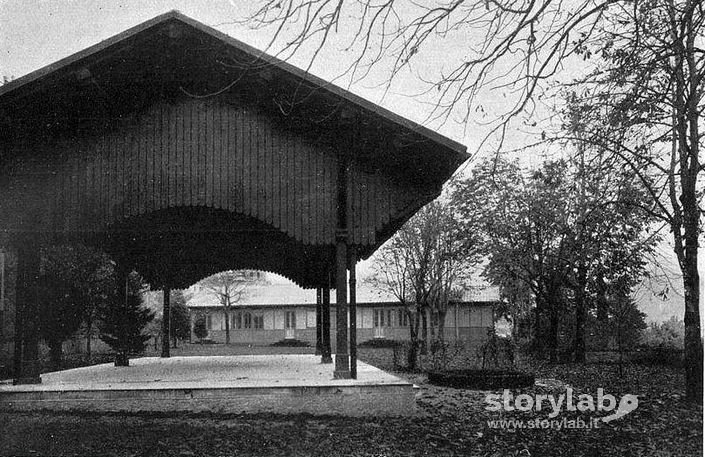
450	422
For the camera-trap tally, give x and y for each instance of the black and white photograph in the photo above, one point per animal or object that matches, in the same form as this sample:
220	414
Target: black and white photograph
367	228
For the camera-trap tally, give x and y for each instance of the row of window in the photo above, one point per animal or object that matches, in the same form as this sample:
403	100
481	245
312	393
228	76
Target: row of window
249	320
390	318
246	320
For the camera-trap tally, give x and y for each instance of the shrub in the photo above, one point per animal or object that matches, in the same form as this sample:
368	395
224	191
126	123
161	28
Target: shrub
667	335
291	343
199	328
379	343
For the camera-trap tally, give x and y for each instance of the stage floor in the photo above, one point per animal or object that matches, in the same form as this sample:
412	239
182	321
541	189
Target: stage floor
285	383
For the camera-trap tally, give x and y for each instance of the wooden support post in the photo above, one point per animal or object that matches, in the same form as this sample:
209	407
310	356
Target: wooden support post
342	362
166	322
122	274
319	332
325	324
27	367
352	262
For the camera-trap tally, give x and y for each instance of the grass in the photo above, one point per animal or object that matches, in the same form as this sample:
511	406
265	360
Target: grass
449	422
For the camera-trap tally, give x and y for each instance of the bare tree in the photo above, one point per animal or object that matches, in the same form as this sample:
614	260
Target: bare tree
424	265
229	287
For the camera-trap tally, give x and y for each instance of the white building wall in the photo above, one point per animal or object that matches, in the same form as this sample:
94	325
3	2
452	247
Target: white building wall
366	317
278	319
311	319
300	318
268	319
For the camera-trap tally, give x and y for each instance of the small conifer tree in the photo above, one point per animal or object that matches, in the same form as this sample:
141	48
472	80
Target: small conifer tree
124	319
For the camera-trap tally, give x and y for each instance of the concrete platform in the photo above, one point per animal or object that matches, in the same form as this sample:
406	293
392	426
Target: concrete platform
284	384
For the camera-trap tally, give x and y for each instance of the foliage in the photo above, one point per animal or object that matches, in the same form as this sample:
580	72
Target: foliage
123	319
496	351
668	335
180	317
562	236
73	281
199	327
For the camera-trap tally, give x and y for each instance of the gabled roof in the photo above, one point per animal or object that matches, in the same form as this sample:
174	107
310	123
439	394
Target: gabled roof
278	291
107	54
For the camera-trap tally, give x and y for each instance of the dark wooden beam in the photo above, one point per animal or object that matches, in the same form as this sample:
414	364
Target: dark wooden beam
319	330
352	262
342	361
325	324
27	367
166	322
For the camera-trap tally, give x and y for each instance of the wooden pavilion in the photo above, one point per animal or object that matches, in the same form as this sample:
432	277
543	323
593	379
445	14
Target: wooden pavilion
183	152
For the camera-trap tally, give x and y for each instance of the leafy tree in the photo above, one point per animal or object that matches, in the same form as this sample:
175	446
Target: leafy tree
522	221
228	287
558	232
123	320
199	327
73	281
424	265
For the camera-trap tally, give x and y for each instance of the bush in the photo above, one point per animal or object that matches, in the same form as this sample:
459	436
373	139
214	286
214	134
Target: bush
667	335
290	343
379	343
199	328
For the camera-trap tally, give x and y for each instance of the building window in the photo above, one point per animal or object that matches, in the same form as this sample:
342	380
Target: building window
209	322
290	319
247	320
258	321
236	321
402	318
383	318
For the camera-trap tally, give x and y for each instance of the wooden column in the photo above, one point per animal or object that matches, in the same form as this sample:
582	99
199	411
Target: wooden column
27	367
342	362
166	322
352	262
122	274
325	324
319	332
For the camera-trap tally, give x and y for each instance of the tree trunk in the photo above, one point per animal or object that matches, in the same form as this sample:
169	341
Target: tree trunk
227	325
693	343
412	354
553	336
580	315
424	331
89	334
442	325
541	325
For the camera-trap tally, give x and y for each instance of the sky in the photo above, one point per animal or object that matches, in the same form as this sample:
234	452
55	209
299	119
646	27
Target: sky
35	33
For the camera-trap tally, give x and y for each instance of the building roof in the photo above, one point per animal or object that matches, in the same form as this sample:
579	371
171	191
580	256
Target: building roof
279	291
142	52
